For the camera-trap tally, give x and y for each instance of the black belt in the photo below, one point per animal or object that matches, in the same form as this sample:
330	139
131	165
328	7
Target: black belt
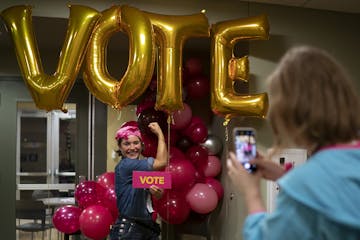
148	224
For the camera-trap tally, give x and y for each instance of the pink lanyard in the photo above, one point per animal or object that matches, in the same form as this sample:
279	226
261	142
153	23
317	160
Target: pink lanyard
353	145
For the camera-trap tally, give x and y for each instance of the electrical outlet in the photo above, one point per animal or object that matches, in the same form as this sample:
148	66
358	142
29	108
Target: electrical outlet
289	158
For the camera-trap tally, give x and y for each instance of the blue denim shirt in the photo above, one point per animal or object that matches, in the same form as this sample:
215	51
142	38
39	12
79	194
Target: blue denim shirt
131	202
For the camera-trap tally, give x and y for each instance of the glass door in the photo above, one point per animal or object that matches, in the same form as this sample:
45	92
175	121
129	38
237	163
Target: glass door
46	146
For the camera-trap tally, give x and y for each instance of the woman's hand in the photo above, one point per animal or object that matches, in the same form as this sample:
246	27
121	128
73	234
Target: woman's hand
242	179
247	183
268	169
156	191
155	128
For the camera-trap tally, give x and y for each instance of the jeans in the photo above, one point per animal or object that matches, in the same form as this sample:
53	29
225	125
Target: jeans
127	229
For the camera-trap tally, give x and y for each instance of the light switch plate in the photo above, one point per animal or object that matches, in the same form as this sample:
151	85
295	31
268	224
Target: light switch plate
296	157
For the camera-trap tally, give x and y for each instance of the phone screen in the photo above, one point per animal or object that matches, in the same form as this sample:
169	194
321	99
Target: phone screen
245	147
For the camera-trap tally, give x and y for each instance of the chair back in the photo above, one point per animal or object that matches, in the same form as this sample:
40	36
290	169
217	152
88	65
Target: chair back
31	209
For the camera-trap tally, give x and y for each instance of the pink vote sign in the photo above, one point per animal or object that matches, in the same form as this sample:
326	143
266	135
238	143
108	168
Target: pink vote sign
144	179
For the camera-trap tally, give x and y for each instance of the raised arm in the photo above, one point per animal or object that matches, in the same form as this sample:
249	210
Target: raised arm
161	158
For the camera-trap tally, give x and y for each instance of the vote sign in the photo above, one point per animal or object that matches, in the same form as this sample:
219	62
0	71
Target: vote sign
145	179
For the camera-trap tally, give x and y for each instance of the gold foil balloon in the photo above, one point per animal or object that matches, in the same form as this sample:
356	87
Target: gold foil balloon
49	92
141	57
170	34
225	68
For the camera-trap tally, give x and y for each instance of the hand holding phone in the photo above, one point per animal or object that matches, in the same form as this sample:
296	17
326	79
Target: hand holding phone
245	146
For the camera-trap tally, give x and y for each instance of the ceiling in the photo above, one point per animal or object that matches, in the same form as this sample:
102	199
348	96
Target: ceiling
350	6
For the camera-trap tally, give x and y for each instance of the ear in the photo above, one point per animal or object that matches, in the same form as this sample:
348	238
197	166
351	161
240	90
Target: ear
142	146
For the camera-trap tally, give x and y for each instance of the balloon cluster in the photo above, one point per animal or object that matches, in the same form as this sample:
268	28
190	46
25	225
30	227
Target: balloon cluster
193	164
95	212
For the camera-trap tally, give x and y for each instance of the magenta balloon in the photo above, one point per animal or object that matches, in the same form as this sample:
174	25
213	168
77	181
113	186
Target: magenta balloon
193	66
199	176
110	202
172	207
176	153
198	87
174	136
216	185
151	115
194	121
199	133
182	174
89	193
198	155
212	168
150	145
153	83
182	117
149	96
107	180
66	219
129	123
95	222
145	104
202	198
196	131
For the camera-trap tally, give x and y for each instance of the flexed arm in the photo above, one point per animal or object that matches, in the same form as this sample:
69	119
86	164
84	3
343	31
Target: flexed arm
161	158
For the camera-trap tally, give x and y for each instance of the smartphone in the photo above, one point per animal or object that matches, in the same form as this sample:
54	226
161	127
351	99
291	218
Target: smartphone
245	146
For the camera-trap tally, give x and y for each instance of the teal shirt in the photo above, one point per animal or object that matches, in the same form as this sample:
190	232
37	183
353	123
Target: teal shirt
318	200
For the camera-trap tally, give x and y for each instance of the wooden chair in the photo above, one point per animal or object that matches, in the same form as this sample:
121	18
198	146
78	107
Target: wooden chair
32	210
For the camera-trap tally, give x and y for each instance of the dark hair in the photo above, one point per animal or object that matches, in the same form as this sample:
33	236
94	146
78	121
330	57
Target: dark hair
313	102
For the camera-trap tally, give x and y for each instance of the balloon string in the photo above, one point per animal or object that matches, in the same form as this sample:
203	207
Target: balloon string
226	135
226	141
170	120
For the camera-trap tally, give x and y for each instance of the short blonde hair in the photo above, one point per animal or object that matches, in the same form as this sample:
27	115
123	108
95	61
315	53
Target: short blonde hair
313	102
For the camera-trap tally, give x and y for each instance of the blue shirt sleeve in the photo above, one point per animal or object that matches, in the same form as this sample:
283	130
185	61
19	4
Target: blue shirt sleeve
140	165
290	220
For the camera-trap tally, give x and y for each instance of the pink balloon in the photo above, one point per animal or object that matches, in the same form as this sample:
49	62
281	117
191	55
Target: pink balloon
66	219
198	155
172	207
95	222
109	201
107	180
182	117
202	198
88	193
212	167
182	174
198	87
216	185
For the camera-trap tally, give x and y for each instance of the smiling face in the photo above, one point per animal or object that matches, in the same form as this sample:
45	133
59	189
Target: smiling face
131	147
